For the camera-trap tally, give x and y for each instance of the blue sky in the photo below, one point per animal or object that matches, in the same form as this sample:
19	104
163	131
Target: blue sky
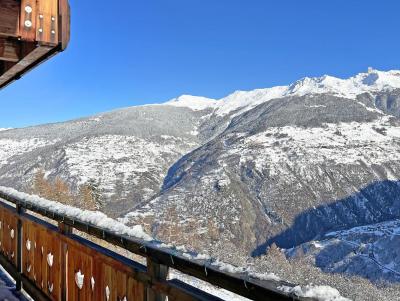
125	53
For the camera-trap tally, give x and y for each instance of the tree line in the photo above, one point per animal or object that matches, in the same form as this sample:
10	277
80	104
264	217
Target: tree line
87	196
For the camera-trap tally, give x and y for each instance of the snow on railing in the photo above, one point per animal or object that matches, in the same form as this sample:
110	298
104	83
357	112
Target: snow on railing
159	256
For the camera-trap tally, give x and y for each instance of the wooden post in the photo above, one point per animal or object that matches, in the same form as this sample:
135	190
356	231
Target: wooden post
159	272
20	210
65	230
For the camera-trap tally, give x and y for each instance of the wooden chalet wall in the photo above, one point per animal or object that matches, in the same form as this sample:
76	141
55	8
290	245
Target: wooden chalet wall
31	31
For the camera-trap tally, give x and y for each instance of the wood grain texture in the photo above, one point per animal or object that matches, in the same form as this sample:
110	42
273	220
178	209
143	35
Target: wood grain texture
9	50
8	231
28	33
64	23
47	21
35	263
18	68
106	272
9	18
49	30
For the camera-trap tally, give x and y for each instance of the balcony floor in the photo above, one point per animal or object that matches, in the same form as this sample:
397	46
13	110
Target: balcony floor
7	289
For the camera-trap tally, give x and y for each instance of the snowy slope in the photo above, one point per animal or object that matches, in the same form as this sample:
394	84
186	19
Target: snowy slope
126	153
370	251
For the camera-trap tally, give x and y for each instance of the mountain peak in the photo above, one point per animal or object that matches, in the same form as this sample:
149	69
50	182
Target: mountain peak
368	82
371	81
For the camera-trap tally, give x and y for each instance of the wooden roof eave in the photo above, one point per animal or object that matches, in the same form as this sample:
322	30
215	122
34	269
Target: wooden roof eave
25	49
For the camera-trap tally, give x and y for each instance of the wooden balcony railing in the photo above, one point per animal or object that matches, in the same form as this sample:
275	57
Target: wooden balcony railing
51	263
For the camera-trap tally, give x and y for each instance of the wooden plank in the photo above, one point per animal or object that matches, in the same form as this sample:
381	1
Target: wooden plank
28	250
64	230
159	272
64	13
28	33
17	69
47	21
19	210
9	50
2	225
9	229
9	18
79	263
37	267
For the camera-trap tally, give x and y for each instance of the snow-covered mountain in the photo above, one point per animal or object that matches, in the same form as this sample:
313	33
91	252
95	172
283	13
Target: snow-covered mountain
373	81
229	177
126	153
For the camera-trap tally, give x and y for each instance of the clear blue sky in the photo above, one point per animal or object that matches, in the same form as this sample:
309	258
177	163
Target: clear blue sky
125	53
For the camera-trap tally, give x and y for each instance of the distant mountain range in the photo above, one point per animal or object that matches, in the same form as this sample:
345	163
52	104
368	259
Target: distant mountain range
313	167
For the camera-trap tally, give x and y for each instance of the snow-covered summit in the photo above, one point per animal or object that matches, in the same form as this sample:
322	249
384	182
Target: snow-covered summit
195	103
371	81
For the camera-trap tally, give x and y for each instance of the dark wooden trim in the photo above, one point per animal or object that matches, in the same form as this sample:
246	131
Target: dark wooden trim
10	50
20	210
37	56
159	272
9	18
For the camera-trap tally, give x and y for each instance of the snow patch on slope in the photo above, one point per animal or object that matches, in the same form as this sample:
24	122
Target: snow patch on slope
10	148
195	103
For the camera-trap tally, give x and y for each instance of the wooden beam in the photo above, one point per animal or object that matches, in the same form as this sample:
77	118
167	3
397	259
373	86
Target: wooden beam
32	59
9	50
64	17
9	18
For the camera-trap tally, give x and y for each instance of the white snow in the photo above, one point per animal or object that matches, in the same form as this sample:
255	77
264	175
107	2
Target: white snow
373	81
321	293
124	159
240	101
10	147
79	279
93	217
343	143
195	103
